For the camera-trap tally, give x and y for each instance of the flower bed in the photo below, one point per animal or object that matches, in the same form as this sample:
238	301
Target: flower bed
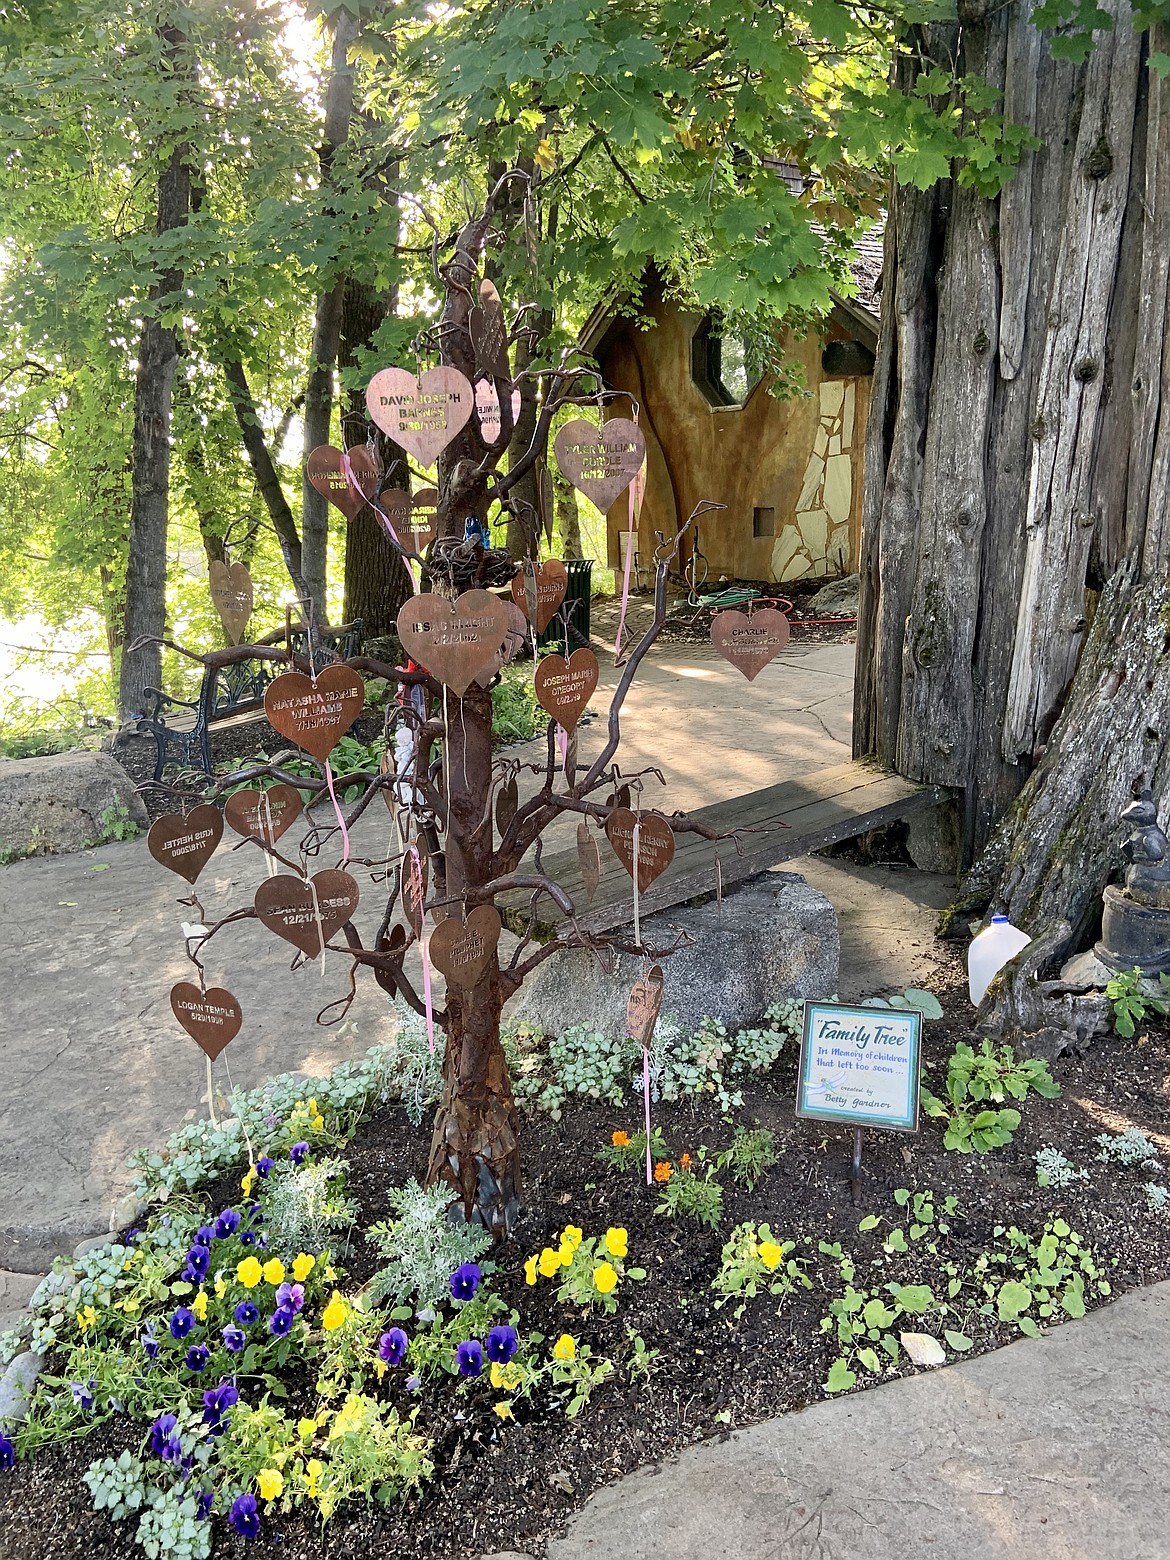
296	1350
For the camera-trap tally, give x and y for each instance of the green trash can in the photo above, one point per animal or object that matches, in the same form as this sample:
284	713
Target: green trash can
577	599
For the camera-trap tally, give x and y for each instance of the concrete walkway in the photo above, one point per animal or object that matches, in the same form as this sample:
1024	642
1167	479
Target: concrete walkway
1056	1448
90	944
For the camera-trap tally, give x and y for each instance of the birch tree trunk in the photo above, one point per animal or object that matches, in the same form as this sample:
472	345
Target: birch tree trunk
1018	463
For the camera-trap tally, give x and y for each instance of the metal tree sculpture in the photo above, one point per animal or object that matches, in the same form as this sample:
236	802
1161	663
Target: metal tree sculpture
458	851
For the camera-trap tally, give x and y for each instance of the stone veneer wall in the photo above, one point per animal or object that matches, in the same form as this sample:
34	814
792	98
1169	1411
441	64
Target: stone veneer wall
817	541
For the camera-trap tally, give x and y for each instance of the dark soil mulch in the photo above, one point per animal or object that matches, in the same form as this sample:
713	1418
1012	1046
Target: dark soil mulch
510	1486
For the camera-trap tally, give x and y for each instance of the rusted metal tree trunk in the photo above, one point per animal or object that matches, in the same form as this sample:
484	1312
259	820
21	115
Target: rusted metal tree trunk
1018	459
474	1149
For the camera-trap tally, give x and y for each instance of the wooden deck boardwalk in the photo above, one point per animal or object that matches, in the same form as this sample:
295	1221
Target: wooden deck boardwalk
788	820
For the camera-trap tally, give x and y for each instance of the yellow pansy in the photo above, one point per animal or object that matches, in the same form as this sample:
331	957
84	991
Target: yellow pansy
549	1262
307	1428
616	1241
270	1482
199	1306
770	1254
249	1272
571	1236
565	1254
530	1270
565	1348
314	1108
248	1182
220	1287
330	1275
505	1378
605	1277
303	1265
274	1271
503	1410
334	1313
86	1318
313	1470
130	1305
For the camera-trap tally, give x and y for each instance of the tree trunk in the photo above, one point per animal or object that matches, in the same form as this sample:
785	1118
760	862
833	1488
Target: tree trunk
568	516
376	578
146	566
475	1146
1017	458
318	412
1056	848
265	473
474	1149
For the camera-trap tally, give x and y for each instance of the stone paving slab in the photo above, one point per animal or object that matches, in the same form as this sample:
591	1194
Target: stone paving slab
1056	1447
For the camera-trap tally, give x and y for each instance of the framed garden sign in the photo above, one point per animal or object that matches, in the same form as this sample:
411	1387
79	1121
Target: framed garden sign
859	1065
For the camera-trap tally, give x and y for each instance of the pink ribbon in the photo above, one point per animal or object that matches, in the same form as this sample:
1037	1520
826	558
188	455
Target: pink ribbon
416	880
337	810
646	1100
383	518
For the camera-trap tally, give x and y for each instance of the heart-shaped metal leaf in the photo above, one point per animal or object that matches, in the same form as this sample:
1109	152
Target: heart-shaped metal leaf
457	640
263	815
421	414
549	582
601	462
644	1006
749	642
231	596
212	1018
325	469
315	715
655	843
463	950
564	688
186	842
304	912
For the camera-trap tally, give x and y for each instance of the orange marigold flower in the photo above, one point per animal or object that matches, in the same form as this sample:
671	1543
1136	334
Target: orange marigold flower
685	1162
663	1171
621	1140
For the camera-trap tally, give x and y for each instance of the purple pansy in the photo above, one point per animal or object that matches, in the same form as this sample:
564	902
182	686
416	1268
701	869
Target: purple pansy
298	1152
197	1356
291	1296
182	1322
244	1517
246	1313
280	1322
501	1345
465	1281
226	1224
469	1358
392	1346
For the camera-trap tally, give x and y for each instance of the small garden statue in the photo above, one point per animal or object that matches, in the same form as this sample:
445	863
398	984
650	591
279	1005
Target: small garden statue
1135	921
1147	878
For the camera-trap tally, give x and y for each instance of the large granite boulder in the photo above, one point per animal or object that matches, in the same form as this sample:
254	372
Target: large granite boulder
58	803
775	937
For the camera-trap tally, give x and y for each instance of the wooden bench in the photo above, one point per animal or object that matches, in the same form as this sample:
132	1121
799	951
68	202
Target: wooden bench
229	696
819	809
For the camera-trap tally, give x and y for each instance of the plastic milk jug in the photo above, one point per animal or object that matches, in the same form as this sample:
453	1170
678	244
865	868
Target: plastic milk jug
990	951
